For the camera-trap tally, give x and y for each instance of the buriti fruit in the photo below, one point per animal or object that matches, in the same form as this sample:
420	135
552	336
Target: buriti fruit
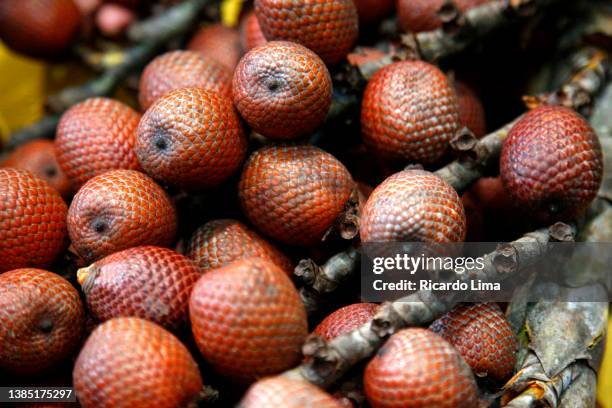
294	193
372	11
32	221
191	138
42	320
483	336
218	42
551	163
413	205
182	69
328	27
221	242
95	136
416	369
471	111
248	319
149	282
117	210
274	392
129	362
422	15
410	111
346	319
251	35
283	90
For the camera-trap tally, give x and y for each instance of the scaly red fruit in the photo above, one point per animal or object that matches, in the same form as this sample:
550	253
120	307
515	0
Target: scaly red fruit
32	221
221	242
182	69
251	35
372	11
117	210
294	194
41	320
248	319
274	392
346	319
410	111
95	136
422	15
191	138
483	336
218	42
471	111
416	369
413	205
149	282
328	27
130	362
551	163
283	90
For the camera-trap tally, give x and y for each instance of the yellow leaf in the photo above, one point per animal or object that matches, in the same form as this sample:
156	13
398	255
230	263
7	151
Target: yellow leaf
230	12
605	375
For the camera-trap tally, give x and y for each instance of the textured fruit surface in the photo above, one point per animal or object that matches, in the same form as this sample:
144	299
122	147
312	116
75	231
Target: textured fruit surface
276	392
182	69
294	193
191	138
41	320
130	362
413	205
372	11
417	368
39	28
248	319
149	282
219	43
32	221
328	27
422	15
471	111
38	157
410	111
95	136
345	320
283	90
221	242
117	210
551	163
251	35
483	336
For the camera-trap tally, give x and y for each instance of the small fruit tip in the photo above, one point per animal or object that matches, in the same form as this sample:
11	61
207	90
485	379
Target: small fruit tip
83	273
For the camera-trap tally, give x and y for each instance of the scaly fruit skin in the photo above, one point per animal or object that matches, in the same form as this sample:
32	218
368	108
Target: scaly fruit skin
218	42
182	69
410	111
129	362
372	11
551	163
41	320
221	242
328	27
471	111
32	221
346	319
38	157
117	210
274	392
416	369
191	138
294	194
413	205
251	35
248	319
483	336
422	15
95	136
149	282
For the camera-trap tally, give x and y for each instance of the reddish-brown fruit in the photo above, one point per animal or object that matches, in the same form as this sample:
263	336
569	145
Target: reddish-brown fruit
39	28
551	163
413	205
251	35
130	362
410	111
345	320
483	336
32	221
248	319
422	15
471	111
182	69
294	193
191	138
328	27
219	43
95	136
274	392
41	320
372	11
416	369
38	157
117	210
149	282
283	90
221	242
